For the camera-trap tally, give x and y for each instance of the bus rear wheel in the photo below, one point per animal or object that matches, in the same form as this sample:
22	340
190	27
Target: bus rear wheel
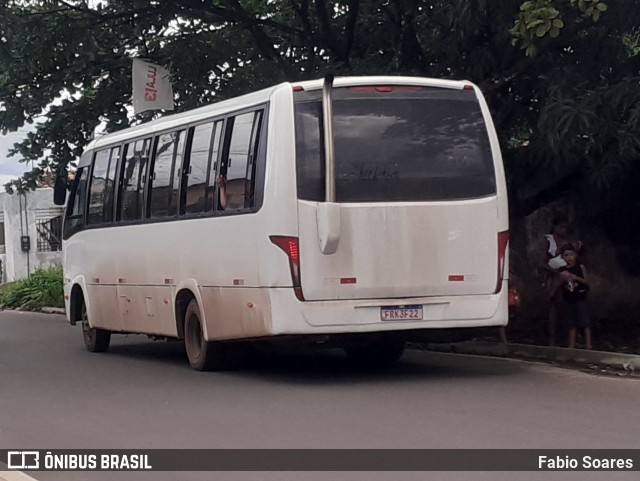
380	352
95	340
203	355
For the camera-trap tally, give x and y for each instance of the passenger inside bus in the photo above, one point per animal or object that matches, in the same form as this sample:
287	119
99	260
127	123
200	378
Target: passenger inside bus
234	193
221	183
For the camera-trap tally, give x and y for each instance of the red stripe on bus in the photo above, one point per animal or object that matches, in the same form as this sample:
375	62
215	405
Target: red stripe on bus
348	280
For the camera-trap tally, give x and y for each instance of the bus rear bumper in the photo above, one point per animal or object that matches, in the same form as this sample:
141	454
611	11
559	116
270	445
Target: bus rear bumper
291	316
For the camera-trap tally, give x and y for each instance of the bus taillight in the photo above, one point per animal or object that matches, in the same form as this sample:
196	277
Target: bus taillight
291	247
386	88
503	241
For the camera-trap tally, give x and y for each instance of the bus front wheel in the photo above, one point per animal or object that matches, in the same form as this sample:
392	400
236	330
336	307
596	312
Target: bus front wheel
95	340
203	355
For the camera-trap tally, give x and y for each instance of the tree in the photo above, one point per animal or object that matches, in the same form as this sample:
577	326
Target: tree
561	76
584	115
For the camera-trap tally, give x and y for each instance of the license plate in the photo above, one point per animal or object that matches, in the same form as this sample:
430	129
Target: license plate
401	313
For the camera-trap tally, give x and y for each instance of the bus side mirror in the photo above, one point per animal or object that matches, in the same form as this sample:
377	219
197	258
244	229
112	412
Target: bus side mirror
60	190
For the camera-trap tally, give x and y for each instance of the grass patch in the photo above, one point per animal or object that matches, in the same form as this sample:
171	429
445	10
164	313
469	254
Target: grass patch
42	289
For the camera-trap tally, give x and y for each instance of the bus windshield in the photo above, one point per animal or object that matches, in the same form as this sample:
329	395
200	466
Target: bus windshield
396	143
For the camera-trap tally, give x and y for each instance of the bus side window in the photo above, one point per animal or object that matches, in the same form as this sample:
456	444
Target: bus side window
133	179
95	212
213	165
198	173
250	185
101	186
109	190
240	163
164	183
74	220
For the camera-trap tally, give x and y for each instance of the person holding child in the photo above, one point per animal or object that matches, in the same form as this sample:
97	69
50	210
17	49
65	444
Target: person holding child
575	285
560	235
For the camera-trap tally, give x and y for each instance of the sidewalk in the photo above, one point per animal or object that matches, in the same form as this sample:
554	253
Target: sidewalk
6	475
629	363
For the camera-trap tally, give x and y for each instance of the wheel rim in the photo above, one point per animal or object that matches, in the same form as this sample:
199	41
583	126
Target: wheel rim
87	332
194	337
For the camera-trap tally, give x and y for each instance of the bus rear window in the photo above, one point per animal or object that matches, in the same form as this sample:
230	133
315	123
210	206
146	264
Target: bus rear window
395	144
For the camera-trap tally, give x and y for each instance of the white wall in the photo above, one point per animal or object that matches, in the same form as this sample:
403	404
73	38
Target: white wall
20	213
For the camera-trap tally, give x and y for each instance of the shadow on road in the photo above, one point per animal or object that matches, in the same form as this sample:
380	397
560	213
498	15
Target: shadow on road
37	333
321	366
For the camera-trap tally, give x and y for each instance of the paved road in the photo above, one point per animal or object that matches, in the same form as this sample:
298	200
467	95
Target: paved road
142	394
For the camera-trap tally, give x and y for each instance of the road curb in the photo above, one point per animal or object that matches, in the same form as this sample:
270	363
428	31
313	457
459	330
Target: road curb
601	359
53	310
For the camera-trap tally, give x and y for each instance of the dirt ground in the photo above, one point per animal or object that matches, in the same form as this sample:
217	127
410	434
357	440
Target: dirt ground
613	335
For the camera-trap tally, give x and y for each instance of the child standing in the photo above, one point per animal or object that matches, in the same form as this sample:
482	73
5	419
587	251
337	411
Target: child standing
576	284
562	233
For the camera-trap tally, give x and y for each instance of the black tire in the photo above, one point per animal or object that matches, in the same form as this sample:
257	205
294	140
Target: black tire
203	355
95	340
377	353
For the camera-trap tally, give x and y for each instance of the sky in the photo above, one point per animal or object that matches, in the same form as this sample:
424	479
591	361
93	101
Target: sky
10	168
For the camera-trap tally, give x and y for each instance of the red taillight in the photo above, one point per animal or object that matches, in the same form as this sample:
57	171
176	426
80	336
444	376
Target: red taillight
503	242
468	87
385	88
291	247
294	250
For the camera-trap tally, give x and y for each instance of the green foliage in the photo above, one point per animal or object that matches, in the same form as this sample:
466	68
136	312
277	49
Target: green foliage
596	132
565	100
590	8
537	18
540	18
42	289
631	41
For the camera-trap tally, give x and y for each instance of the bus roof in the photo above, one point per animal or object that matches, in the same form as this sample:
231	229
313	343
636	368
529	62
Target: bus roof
175	120
202	113
383	80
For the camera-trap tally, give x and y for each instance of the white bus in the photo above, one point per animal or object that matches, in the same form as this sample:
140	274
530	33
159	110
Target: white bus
359	211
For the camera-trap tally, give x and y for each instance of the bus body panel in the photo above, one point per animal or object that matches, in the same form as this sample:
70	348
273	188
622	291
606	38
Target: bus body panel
132	287
502	211
237	312
146	309
402	250
104	310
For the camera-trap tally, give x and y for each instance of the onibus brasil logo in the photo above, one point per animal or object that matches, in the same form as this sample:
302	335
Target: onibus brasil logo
23	460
